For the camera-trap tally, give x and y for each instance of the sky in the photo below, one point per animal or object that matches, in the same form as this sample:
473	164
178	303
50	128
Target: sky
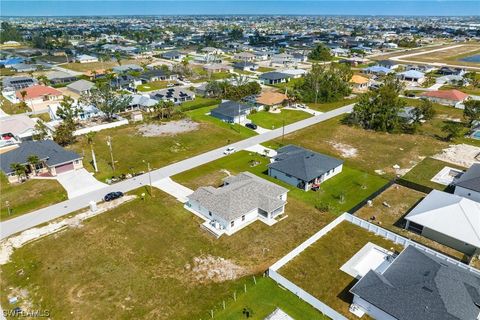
233	7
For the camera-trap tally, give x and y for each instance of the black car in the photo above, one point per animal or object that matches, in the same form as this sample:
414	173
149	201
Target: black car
252	126
113	195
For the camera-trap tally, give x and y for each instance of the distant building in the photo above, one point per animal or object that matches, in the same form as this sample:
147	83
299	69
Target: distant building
18	82
173	55
274	77
81	86
60	77
84	58
176	95
231	111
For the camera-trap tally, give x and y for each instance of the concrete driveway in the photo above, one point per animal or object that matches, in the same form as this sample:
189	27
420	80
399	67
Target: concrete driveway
173	188
79	182
258	148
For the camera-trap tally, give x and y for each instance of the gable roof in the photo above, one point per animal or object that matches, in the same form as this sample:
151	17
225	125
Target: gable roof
414	74
240	195
37	91
302	163
449	214
18	124
46	150
420	286
470	179
358	79
274	75
81	85
453	94
230	108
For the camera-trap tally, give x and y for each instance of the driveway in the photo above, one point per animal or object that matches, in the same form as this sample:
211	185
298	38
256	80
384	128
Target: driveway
258	148
79	182
172	188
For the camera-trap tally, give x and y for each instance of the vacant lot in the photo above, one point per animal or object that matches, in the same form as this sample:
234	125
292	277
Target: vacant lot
423	172
130	148
269	120
337	194
148	259
324	107
28	196
401	201
154	85
12	108
317	269
450	56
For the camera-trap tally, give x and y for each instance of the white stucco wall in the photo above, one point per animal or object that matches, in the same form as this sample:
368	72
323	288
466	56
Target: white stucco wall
466	193
371	310
294	181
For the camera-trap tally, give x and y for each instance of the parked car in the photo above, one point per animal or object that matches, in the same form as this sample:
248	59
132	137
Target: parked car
251	125
229	150
113	195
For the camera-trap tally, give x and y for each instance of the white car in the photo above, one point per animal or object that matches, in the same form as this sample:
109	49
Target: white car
229	150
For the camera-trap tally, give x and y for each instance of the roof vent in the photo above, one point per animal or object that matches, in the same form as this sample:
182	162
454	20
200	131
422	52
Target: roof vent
427	289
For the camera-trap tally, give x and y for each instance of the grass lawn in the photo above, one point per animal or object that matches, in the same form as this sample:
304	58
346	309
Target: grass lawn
12	108
263	298
269	120
401	201
324	107
244	72
208	76
29	196
468	89
154	85
423	172
289	85
130	147
137	261
199	102
4	72
353	185
265	69
317	269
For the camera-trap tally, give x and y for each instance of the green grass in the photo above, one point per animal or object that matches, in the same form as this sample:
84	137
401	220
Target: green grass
244	72
265	69
130	148
199	102
135	262
263	298
288	85
12	108
423	172
325	107
154	85
317	269
28	196
5	72
270	120
341	192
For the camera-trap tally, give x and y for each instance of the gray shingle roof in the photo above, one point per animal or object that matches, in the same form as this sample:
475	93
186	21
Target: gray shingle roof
240	195
274	75
81	85
46	150
471	178
230	109
302	163
420	286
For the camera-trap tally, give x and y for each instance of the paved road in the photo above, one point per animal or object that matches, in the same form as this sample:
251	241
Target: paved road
38	217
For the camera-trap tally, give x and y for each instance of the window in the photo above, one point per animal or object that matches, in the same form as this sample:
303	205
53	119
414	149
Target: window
232	223
210	213
243	218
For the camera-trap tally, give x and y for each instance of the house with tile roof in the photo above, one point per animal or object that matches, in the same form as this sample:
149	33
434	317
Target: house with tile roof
418	285
303	168
468	185
241	200
448	219
359	83
446	97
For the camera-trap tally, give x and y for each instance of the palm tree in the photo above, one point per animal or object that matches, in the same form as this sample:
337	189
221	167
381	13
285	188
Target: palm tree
19	169
118	57
23	93
43	80
33	160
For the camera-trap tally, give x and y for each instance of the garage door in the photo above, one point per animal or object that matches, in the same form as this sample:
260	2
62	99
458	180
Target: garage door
64	168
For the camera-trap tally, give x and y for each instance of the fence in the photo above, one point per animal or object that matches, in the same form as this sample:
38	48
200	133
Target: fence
371	196
100	127
413	185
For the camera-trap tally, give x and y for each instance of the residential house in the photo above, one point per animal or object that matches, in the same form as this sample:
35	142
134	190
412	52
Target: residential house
261	55
16	128
60	77
241	200
176	95
81	87
140	102
217	67
156	75
283	59
23	67
125	81
450	71
392	65
294	73
303	168
84	112
270	98
245	56
468	185
39	97
173	55
245	66
274	77
84	58
127	68
449	219
446	97
377	70
11	62
212	50
231	111
54	159
339	52
359	83
418	285
18	82
412	76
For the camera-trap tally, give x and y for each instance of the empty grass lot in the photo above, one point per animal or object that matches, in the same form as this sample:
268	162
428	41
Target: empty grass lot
423	172
263	298
324	107
451	56
154	85
401	200
28	196
341	192
12	108
130	147
317	269
269	120
136	261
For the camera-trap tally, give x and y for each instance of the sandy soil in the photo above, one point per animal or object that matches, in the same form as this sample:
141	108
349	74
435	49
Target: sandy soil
168	128
347	151
460	154
209	268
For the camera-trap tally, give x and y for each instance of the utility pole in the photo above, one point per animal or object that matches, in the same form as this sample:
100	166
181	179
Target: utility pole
109	143
283	130
149	177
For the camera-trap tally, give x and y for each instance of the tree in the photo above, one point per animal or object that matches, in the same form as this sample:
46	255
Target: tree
320	53
472	111
236	33
67	112
33	160
9	33
64	134
378	110
105	99
425	110
19	169
41	131
118	58
474	79
453	130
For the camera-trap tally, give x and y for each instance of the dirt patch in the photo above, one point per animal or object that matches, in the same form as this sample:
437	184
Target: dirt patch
347	151
209	268
168	128
460	154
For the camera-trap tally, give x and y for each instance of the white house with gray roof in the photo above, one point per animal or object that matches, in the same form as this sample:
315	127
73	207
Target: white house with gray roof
241	200
303	168
468	185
